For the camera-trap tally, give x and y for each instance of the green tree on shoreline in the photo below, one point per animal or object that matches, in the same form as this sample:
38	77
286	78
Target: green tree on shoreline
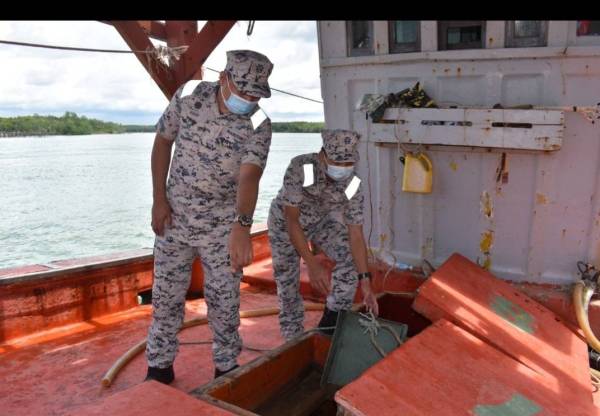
72	124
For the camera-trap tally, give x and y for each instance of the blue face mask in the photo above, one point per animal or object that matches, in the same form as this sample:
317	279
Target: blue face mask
339	173
237	104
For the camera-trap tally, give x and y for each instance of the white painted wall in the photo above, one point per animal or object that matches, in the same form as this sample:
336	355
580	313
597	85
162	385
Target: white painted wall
546	217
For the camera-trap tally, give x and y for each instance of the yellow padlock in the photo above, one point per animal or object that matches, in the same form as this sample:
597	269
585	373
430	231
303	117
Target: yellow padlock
418	173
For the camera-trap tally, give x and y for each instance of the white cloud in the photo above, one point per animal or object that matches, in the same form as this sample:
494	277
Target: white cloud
116	87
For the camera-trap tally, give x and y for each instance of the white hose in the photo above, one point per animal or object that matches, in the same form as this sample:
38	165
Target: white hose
582	296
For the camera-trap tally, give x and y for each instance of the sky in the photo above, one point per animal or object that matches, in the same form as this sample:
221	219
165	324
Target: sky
116	87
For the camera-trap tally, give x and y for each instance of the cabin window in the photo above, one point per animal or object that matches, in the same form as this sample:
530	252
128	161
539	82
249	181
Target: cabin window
526	33
461	34
588	28
404	36
360	37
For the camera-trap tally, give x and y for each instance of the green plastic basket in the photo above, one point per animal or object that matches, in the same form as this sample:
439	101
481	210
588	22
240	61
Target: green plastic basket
352	350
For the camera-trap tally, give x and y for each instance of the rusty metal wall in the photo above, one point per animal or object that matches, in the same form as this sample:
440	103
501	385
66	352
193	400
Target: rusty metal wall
532	228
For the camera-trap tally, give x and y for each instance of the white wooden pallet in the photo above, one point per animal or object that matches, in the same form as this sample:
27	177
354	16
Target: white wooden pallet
510	129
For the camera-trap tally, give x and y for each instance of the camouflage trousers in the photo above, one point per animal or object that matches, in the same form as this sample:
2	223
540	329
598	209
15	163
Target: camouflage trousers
172	275
332	237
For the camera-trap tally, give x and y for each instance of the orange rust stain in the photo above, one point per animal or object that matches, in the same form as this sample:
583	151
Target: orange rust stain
487	241
564	232
541	199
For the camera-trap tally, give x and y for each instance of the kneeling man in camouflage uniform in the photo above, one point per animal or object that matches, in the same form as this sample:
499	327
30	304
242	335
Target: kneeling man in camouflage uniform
206	207
321	201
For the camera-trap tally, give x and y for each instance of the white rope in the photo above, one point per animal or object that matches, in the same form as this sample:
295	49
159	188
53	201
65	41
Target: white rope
372	326
168	54
369	323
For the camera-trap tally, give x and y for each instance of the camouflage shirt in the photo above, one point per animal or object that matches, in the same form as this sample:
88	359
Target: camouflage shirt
209	149
324	197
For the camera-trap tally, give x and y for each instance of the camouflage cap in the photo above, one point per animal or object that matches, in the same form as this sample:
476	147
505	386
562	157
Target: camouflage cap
250	72
340	145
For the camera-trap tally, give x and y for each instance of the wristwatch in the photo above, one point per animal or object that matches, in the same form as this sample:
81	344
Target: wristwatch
244	220
366	275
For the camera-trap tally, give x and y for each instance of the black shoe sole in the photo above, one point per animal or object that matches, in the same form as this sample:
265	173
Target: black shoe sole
219	373
162	375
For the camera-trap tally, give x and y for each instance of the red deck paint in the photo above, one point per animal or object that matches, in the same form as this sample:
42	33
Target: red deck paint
47	370
260	273
496	312
62	373
31	306
36	298
150	399
445	370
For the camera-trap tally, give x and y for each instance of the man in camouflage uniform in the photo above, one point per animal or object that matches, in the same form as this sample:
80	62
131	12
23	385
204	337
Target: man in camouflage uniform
206	207
321	201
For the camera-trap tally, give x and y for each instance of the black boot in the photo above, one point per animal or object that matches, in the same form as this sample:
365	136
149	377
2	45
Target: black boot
162	375
594	358
219	373
328	319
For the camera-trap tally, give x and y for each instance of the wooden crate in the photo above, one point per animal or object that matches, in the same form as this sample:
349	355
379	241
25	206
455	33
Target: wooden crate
540	130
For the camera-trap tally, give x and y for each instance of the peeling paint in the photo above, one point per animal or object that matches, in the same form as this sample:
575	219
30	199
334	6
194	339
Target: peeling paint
513	313
541	199
486	204
486	242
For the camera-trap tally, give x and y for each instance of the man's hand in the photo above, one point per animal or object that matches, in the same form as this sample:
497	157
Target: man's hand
161	216
319	277
240	247
369	298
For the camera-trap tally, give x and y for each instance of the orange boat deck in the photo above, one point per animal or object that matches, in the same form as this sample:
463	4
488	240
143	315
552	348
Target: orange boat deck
58	371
